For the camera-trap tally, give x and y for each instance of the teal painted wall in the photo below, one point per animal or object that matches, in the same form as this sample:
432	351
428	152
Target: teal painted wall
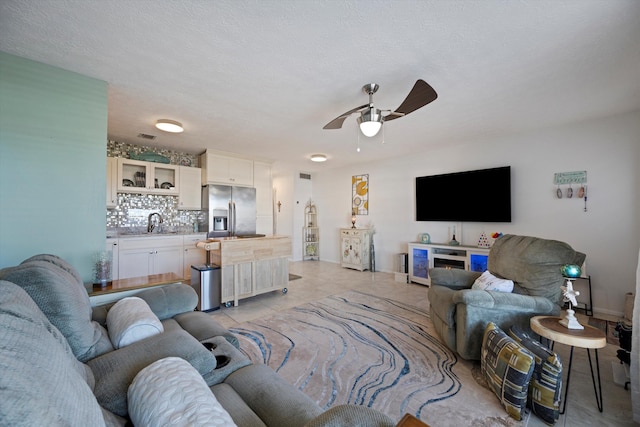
53	136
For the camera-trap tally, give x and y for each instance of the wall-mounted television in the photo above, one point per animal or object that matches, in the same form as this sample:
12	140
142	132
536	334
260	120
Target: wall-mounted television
471	196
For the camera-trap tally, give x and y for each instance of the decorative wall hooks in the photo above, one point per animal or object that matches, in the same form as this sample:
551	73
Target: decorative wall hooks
568	179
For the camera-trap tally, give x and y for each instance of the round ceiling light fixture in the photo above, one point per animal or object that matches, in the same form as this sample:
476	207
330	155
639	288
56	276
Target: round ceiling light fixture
318	158
169	126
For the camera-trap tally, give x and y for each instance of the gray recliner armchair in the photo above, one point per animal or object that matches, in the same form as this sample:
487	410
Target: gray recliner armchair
460	314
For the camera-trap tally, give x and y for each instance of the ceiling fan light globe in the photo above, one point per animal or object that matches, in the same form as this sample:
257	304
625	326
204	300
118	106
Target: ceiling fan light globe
370	122
370	129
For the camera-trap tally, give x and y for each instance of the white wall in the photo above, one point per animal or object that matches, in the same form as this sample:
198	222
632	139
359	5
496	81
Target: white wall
609	232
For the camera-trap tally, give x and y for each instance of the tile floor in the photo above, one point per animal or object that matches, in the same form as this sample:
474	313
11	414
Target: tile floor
321	279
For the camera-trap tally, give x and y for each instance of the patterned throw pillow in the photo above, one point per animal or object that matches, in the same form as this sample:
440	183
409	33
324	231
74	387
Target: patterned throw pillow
507	367
489	282
546	384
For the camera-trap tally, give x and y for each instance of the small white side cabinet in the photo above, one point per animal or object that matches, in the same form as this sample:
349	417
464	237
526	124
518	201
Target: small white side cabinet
355	244
423	256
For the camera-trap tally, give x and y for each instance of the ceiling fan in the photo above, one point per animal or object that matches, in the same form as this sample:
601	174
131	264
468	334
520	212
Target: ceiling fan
371	118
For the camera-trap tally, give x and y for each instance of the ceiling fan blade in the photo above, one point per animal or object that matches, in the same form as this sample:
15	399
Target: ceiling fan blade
421	94
337	122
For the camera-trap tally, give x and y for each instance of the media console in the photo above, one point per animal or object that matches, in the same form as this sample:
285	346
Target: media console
423	256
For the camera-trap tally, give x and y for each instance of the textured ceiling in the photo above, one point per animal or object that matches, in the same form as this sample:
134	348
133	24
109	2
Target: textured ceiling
262	78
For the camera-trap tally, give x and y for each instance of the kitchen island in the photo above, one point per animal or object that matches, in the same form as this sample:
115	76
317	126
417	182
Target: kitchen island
249	266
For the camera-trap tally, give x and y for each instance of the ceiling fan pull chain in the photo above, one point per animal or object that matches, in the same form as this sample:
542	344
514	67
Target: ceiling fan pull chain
383	133
358	133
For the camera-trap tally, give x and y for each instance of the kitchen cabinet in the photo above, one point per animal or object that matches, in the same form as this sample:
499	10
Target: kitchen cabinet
264	197
270	274
221	169
190	193
112	182
251	266
136	176
192	254
355	244
142	256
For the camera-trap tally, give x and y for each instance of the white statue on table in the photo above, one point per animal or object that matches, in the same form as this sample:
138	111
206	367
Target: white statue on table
570	295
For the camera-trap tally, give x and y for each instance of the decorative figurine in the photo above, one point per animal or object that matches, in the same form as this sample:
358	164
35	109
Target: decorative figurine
570	321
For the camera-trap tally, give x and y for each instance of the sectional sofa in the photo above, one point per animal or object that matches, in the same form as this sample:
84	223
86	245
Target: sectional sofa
61	364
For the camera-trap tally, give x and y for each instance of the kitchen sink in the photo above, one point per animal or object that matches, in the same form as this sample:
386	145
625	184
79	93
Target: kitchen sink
250	236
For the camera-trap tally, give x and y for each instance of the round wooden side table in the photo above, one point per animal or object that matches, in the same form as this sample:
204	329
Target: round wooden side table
587	338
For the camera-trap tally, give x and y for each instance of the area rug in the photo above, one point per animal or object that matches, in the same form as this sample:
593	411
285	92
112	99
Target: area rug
361	349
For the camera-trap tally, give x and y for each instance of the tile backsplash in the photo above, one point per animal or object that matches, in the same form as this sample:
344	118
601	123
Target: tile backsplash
133	210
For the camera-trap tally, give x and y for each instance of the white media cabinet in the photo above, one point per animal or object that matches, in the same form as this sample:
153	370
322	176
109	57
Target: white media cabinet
423	256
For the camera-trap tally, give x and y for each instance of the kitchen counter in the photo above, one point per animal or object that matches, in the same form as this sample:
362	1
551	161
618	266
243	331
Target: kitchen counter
250	266
119	289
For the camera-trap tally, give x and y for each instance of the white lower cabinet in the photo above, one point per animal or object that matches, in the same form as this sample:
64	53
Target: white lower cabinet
192	254
355	244
254	278
143	256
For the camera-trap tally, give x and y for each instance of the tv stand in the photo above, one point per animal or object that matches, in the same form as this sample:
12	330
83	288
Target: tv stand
423	256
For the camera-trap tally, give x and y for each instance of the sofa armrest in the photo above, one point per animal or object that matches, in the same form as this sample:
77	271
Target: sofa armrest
351	415
503	300
453	278
115	371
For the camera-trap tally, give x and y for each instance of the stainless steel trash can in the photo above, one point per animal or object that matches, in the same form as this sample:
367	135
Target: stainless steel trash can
205	280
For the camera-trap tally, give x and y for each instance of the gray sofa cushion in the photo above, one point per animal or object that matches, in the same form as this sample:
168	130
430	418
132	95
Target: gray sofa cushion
115	371
65	302
41	383
453	278
274	400
352	416
534	264
167	301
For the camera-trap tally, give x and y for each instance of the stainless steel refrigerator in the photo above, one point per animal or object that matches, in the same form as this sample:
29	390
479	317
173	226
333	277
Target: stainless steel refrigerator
231	210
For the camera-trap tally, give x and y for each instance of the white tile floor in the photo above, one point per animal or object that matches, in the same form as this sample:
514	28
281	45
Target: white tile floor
321	279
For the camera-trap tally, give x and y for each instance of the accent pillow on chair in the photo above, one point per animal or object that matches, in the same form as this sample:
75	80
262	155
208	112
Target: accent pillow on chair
489	282
546	383
507	367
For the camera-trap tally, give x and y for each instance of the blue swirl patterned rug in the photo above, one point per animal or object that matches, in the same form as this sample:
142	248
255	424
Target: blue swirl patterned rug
360	349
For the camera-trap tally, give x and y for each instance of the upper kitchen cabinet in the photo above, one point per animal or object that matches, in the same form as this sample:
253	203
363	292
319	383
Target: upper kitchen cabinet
221	169
190	197
112	182
136	176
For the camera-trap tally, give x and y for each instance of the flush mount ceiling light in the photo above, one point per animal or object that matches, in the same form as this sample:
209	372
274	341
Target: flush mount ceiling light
169	126
318	158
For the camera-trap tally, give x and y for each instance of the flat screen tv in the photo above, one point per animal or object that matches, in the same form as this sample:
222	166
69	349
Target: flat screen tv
472	196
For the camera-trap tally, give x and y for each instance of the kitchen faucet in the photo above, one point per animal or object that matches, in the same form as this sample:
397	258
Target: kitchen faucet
151	225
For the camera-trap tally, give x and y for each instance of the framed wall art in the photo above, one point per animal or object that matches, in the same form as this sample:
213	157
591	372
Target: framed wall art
360	194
